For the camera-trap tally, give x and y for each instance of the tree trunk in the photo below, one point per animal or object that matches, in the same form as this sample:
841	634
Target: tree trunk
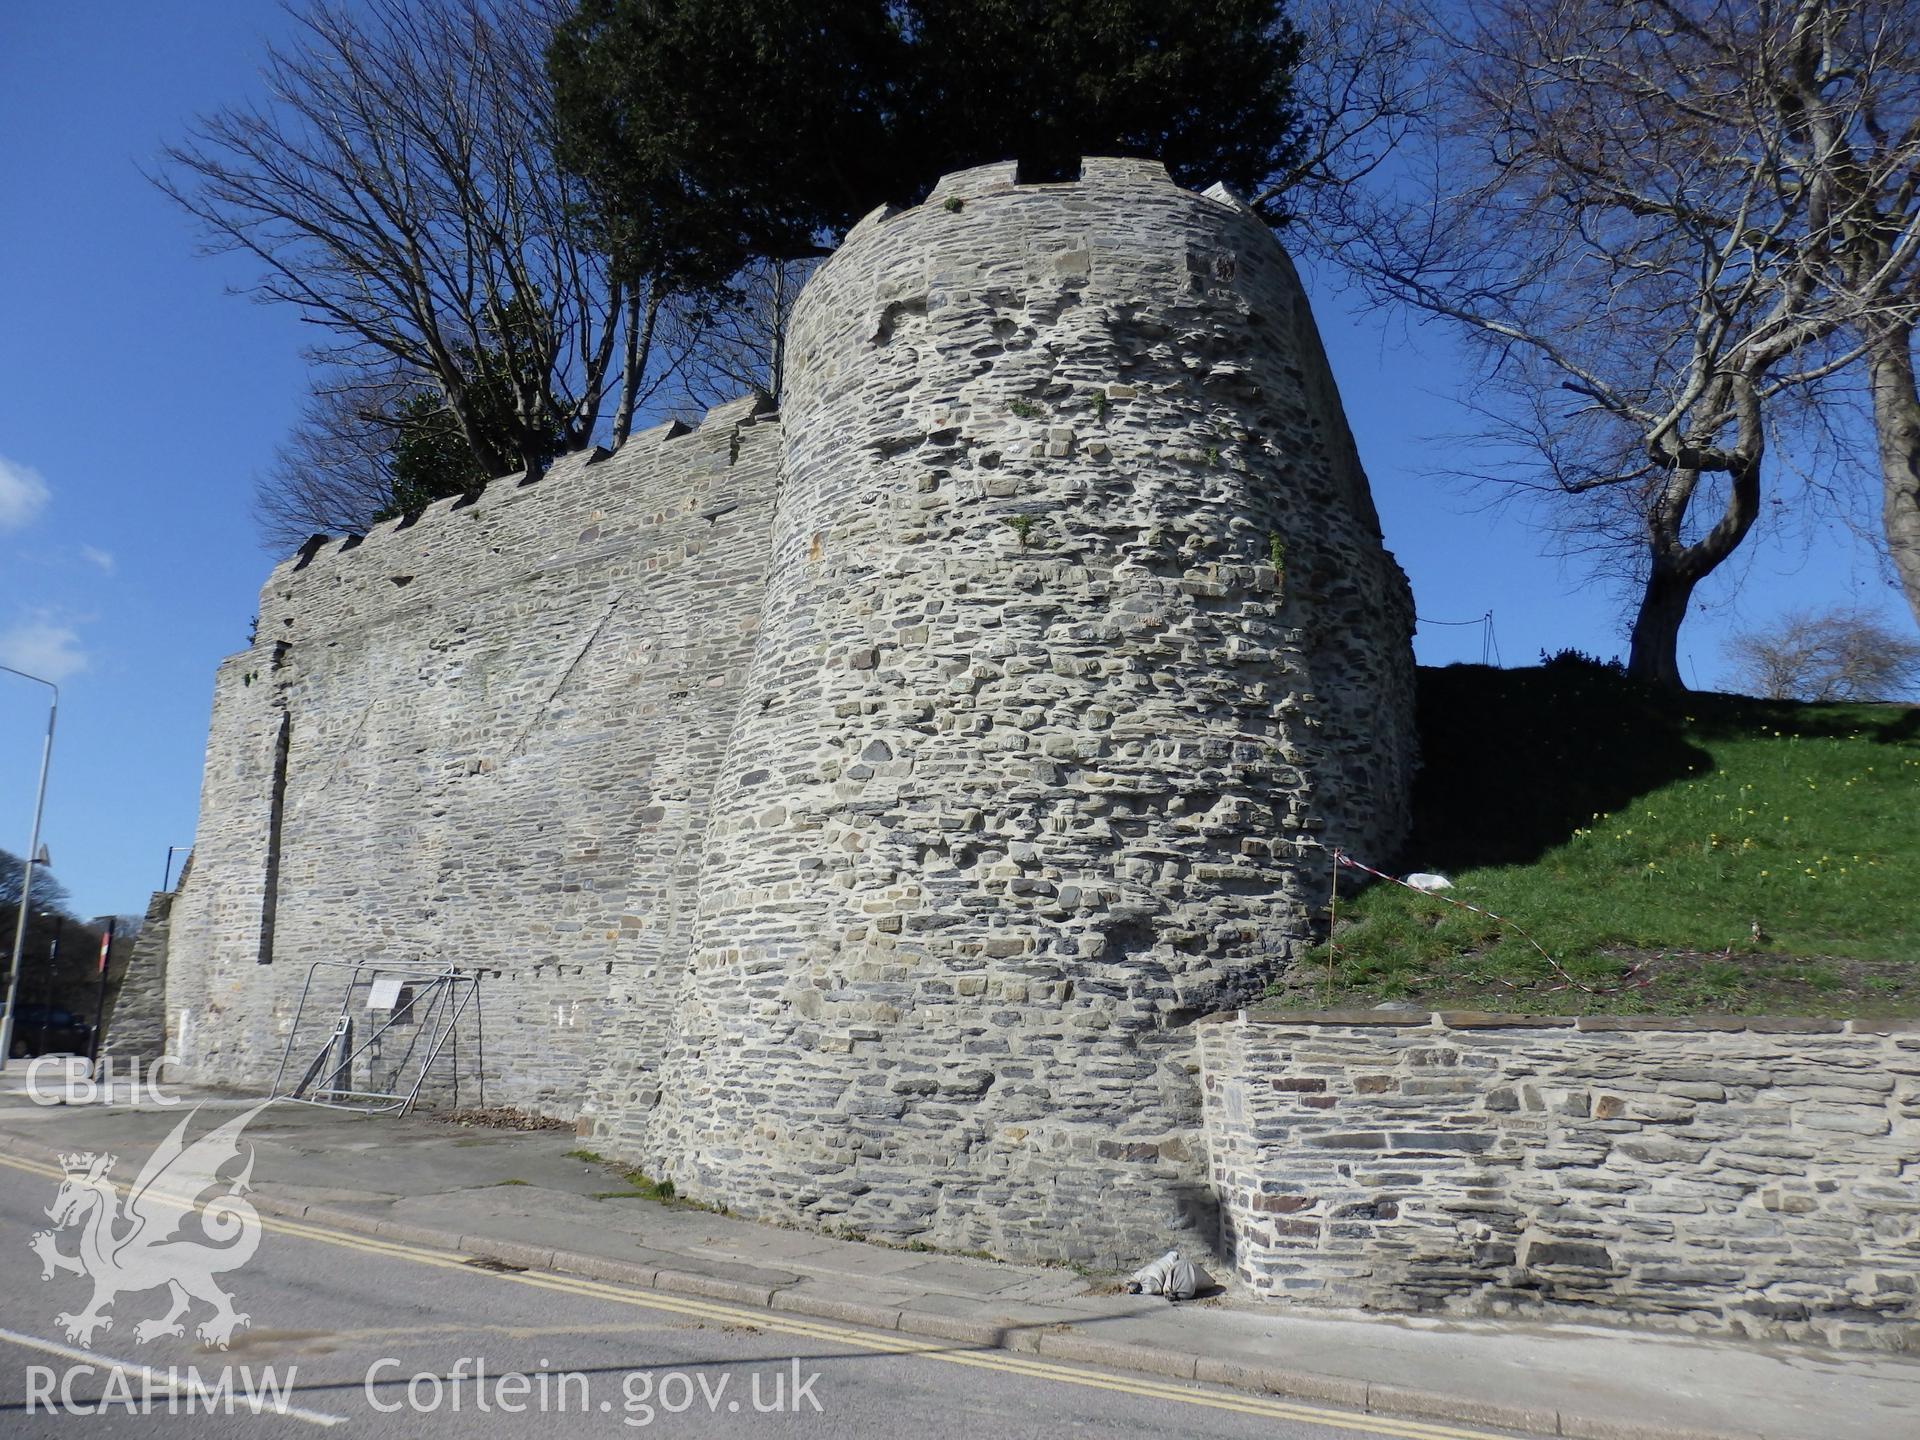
1678	567
1655	656
1896	423
488	457
777	376
639	350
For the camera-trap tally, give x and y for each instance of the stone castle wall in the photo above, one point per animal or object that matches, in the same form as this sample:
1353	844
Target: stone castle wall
485	738
852	814
135	1026
1033	721
1755	1177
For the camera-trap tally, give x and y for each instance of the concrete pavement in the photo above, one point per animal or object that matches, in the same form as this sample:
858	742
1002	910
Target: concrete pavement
523	1199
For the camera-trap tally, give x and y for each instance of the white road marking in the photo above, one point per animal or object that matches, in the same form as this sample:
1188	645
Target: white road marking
153	1380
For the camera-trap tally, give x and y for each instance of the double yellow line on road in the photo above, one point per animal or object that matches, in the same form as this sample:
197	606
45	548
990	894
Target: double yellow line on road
885	1342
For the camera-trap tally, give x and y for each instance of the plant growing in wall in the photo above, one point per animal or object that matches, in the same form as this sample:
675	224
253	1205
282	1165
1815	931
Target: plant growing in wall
1277	555
1023	526
1025	409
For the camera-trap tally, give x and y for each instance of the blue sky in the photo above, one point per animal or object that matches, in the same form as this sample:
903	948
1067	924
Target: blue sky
138	401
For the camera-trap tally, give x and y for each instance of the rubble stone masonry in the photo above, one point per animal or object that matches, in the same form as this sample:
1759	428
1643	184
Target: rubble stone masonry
1033	722
135	1027
1758	1177
850	814
482	737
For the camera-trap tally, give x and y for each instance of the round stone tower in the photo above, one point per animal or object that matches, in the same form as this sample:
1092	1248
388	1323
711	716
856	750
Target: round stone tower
1078	623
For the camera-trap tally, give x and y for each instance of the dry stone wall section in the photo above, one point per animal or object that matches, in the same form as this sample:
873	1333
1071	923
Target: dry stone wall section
1752	1177
1077	620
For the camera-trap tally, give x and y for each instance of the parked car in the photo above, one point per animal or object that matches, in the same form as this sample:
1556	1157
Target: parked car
49	1030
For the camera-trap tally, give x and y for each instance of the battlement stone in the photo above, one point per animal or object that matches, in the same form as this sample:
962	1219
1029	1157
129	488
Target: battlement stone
471	541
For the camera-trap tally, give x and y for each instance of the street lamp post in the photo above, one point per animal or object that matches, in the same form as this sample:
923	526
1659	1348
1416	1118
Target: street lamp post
26	876
166	879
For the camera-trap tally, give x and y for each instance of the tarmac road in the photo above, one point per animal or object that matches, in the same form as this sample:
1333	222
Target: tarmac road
345	1323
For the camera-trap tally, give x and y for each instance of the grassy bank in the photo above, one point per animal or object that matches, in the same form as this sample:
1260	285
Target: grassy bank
1640	839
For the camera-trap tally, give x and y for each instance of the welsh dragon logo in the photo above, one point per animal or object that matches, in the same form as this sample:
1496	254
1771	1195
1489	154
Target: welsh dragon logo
131	1245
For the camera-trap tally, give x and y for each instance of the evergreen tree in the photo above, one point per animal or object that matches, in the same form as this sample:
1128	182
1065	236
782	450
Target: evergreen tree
433	457
710	132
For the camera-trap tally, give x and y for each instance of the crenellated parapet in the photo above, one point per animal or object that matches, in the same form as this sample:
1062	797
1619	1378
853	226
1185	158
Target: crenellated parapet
513	524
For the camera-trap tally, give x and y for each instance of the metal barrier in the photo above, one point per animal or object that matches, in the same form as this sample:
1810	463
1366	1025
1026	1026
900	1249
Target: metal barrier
414	1002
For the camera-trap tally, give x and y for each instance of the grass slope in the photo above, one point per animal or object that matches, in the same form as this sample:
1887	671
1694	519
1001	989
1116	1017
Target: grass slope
1639	838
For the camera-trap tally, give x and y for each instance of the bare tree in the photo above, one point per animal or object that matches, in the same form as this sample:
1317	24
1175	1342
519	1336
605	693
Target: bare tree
1366	80
333	474
1896	417
736	341
1848	110
399	188
49	895
1607	203
1842	655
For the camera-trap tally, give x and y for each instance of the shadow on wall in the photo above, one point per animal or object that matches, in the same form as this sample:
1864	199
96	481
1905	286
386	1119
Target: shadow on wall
1513	760
1202	1215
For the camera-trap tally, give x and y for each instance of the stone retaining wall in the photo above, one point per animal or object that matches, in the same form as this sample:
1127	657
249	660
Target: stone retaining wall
1738	1175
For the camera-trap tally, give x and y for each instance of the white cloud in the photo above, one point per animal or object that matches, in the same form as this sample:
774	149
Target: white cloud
23	493
44	646
94	555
